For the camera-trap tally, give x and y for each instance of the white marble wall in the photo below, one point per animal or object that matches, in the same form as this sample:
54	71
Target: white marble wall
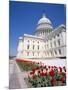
53	47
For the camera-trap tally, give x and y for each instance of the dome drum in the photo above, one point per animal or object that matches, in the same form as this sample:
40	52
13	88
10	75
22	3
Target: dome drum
44	26
44	30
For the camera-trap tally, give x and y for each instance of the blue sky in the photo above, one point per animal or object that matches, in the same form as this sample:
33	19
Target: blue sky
23	18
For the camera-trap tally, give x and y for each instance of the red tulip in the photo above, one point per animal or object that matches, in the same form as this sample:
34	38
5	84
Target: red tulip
52	67
51	73
54	82
38	63
32	73
45	66
60	69
42	69
48	66
40	66
62	79
46	69
64	68
33	70
63	74
34	76
37	67
39	71
43	74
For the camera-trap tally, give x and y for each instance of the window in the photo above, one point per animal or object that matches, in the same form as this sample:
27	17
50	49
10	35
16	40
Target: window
43	32
45	53
33	53
21	51
48	53
46	31
58	35
27	53
33	47
54	36
59	51
33	41
54	43
45	46
55	52
49	30
51	44
58	42
38	53
59	32
28	40
27	46
39	33
38	42
38	47
51	52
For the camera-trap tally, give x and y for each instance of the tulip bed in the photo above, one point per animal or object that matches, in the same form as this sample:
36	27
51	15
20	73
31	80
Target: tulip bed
41	75
47	76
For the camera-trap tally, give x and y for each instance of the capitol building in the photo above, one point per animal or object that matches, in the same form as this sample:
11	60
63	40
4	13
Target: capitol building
46	42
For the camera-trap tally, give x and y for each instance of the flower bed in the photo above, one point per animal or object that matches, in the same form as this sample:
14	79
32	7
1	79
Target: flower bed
26	65
44	76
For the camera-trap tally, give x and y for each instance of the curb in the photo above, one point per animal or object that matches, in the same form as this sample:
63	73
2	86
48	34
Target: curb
21	80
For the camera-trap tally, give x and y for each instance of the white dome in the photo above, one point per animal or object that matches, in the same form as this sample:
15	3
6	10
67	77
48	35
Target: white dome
44	20
44	27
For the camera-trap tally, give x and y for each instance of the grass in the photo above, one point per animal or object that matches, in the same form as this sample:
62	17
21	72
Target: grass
24	66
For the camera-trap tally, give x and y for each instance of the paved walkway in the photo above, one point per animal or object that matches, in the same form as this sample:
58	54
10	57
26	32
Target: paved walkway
16	77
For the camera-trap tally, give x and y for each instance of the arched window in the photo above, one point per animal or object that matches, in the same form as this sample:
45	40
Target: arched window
46	30
45	53
33	47
55	52
48	53
58	35
58	42
43	32
33	53
51	44
27	46
45	46
55	43
59	51
51	52
54	36
27	53
33	41
38	53
38	47
22	52
49	30
38	42
28	40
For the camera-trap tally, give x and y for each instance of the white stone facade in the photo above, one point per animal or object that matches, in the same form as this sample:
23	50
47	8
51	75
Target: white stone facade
45	43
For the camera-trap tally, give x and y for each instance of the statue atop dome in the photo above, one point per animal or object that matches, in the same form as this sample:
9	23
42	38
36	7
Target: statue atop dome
43	16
